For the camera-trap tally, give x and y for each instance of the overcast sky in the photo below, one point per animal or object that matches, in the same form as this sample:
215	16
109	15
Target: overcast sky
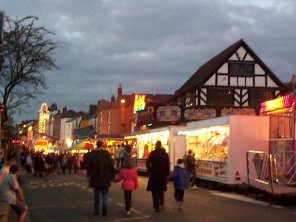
150	46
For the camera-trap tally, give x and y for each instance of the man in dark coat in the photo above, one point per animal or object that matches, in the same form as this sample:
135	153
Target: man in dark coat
100	171
158	168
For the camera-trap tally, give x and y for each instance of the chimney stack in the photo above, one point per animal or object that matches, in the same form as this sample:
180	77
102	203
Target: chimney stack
119	91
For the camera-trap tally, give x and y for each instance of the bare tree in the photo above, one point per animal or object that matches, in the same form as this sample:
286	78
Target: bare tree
27	51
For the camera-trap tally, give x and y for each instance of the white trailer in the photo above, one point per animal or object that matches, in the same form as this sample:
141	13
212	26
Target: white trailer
221	144
144	142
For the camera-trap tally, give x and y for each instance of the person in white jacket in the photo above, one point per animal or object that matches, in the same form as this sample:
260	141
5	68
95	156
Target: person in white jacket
5	169
29	164
11	193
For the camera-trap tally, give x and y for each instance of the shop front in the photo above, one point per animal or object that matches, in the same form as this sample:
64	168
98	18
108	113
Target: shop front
220	146
144	142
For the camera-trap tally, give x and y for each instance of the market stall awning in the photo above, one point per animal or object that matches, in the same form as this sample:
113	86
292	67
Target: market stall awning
86	144
84	133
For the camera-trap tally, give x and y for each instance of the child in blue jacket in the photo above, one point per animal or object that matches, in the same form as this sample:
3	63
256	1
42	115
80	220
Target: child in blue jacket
179	179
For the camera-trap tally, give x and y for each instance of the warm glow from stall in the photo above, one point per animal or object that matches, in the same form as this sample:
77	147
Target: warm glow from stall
219	129
147	141
68	142
279	105
41	145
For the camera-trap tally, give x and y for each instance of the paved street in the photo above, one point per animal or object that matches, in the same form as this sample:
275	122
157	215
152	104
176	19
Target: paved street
68	198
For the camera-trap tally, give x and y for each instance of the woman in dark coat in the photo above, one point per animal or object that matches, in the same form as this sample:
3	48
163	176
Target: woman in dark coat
158	167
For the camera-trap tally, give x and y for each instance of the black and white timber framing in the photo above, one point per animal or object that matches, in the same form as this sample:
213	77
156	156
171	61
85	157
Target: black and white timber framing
233	82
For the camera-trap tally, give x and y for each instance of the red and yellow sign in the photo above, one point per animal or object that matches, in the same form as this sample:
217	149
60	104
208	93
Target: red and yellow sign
279	105
139	103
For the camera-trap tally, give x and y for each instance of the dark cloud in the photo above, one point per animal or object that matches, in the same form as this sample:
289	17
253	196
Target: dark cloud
151	46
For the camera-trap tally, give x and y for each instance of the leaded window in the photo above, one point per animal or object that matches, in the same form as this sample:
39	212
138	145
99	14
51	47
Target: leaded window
241	68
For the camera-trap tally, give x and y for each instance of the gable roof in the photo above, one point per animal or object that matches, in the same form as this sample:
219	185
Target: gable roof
205	71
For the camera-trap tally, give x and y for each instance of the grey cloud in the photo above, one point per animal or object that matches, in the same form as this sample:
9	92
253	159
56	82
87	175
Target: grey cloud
153	46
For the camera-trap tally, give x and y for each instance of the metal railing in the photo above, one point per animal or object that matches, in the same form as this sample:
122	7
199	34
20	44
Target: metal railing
266	170
285	167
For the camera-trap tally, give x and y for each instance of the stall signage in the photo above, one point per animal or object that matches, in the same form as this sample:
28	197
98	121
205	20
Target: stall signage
212	169
146	116
197	114
279	105
139	103
169	113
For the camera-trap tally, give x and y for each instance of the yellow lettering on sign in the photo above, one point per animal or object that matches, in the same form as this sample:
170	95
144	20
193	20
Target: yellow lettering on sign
139	103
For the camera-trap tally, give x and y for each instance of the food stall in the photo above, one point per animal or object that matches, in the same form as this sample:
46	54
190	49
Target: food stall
41	145
144	142
111	144
83	146
220	146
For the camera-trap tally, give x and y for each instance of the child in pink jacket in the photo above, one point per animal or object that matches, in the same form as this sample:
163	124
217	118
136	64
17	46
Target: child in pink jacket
129	177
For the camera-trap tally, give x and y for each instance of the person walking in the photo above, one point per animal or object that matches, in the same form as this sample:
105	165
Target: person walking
100	171
127	154
5	169
119	155
158	167
129	177
190	167
9	189
29	164
179	180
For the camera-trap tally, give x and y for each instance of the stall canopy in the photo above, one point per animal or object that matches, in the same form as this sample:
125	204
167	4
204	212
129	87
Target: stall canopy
86	144
84	133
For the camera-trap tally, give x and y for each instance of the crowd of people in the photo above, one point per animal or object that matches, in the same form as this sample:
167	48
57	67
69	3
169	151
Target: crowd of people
101	171
40	164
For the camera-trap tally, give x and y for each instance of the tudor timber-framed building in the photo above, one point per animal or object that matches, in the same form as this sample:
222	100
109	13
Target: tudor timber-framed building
234	82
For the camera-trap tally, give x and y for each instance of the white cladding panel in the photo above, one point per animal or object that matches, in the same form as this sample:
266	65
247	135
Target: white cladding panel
249	58
233	57
233	81
222	80
259	70
246	133
211	81
260	81
223	68
249	81
270	82
241	53
241	81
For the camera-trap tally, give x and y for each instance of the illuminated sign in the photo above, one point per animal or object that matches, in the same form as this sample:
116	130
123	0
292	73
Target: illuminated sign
43	118
16	141
30	133
139	103
279	105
